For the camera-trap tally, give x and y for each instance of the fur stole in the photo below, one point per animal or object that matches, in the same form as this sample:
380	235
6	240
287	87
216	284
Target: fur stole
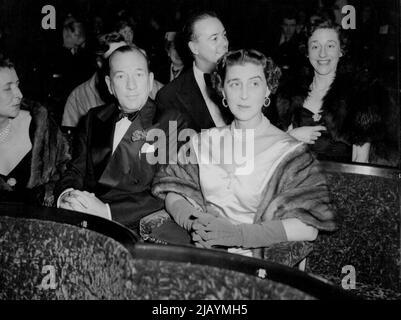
351	109
297	189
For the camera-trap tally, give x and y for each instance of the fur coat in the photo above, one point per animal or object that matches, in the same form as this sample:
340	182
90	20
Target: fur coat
50	153
297	189
351	109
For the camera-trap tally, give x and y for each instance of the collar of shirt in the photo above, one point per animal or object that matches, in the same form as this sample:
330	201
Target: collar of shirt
213	109
119	131
200	80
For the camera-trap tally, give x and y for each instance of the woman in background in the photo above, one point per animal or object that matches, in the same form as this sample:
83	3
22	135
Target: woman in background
33	151
336	113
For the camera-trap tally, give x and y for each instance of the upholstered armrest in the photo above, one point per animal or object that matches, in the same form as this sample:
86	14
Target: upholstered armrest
152	222
287	253
160	228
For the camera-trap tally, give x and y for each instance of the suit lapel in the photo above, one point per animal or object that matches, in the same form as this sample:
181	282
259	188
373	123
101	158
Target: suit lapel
192	99
103	126
123	166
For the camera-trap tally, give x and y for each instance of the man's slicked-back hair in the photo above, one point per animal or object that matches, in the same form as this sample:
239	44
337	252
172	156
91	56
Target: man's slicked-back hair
5	63
188	30
124	49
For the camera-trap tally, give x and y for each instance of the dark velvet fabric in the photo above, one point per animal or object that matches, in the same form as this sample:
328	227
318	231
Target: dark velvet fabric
48	260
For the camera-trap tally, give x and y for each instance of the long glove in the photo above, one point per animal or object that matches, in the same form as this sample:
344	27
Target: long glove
221	232
184	214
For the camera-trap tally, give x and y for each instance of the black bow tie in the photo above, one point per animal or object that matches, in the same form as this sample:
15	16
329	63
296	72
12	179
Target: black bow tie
130	116
208	80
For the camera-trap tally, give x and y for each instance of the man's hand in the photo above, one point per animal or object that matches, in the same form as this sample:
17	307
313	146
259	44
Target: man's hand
85	202
72	200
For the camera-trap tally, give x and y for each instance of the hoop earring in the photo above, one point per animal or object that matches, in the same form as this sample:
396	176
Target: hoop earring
224	102
267	102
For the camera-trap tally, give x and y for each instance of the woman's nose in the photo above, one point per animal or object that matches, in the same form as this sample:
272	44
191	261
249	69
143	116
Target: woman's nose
322	52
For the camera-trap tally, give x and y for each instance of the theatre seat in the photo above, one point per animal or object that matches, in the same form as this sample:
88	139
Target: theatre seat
368	201
49	253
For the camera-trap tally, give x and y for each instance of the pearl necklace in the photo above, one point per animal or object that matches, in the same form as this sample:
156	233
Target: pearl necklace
5	132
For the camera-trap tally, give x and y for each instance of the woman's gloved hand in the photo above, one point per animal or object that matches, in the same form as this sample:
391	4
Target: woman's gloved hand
209	231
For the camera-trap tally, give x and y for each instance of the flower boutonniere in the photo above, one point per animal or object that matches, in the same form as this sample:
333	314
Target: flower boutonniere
12	182
139	135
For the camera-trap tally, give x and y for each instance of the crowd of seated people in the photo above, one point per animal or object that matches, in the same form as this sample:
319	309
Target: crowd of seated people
112	102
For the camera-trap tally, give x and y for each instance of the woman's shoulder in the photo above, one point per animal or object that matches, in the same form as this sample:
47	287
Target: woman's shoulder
274	131
23	119
24	115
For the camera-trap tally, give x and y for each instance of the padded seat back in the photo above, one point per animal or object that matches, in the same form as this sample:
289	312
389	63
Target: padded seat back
45	259
368	202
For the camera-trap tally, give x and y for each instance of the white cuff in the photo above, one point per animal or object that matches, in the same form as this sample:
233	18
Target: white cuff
61	196
108	212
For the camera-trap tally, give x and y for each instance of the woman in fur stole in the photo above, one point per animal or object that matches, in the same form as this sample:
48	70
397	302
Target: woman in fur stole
275	194
336	113
33	151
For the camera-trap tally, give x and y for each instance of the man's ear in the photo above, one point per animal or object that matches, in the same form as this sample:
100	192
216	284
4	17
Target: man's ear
193	47
109	86
151	79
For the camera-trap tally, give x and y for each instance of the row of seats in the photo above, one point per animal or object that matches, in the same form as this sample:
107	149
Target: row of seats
50	253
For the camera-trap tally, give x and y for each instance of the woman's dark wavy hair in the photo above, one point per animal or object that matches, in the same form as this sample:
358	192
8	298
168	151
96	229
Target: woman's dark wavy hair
327	24
240	57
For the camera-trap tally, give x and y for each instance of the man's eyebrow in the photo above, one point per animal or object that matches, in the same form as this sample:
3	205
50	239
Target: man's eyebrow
219	32
136	69
10	83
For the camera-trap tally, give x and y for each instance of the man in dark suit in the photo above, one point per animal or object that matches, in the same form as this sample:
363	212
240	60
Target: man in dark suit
110	175
189	93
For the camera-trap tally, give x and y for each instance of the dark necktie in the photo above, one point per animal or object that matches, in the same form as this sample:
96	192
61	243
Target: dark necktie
209	86
130	116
